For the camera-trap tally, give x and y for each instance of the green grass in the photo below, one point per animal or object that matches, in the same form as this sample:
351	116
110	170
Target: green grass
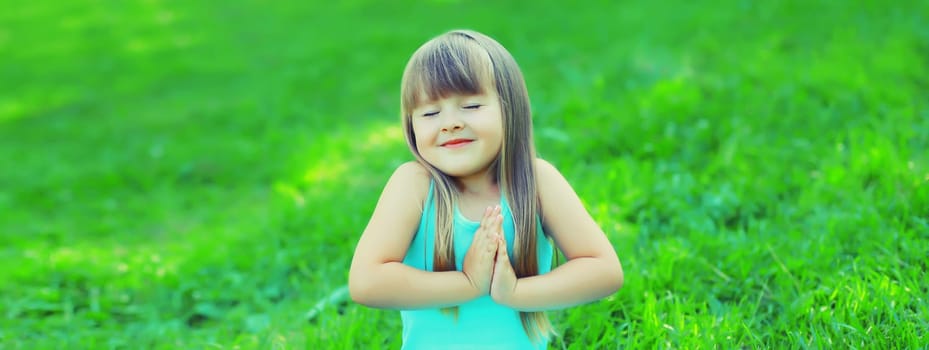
182	175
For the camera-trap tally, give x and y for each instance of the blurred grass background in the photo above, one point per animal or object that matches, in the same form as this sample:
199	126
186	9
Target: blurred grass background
196	174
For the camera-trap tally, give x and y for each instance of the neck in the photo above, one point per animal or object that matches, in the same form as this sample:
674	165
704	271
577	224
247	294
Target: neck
479	183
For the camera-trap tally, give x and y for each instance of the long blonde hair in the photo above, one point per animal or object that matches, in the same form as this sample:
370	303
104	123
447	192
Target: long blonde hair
467	62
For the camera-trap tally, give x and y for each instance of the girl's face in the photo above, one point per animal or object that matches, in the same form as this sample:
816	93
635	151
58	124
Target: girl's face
461	135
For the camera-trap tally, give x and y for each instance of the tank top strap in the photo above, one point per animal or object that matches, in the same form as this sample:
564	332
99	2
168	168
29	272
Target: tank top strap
426	231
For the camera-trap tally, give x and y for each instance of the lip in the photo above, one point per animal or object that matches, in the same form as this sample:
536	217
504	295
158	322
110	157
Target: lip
455	143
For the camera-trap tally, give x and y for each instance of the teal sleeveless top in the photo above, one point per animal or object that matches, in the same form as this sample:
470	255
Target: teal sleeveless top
481	323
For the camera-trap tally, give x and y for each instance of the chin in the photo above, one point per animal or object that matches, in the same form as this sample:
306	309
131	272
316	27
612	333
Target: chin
457	167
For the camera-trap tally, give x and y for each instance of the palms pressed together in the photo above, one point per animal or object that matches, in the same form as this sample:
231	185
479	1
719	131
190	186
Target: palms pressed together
487	263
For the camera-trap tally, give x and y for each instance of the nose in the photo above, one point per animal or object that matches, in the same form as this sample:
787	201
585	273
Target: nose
452	122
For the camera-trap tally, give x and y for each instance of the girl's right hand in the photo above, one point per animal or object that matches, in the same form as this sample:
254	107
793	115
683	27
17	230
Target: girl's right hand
479	260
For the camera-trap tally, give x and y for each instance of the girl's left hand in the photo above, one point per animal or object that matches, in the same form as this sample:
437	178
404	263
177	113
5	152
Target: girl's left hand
503	285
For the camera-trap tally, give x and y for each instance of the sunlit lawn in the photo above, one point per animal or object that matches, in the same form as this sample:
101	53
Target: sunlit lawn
182	175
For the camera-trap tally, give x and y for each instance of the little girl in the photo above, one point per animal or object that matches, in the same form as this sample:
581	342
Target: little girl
461	239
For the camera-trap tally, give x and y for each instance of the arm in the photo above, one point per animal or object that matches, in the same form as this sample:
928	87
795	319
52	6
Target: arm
592	270
378	278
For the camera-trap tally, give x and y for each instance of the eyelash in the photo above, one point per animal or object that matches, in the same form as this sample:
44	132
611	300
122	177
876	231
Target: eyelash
432	114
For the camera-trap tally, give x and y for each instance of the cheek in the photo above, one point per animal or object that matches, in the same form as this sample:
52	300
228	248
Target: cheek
497	130
420	135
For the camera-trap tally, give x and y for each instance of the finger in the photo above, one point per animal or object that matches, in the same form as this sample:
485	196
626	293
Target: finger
494	231
498	227
485	225
486	217
497	255
501	258
489	214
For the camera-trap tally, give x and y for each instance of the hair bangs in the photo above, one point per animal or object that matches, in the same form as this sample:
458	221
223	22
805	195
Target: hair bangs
446	66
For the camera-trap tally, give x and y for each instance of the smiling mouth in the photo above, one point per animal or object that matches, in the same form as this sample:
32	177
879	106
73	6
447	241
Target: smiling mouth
456	143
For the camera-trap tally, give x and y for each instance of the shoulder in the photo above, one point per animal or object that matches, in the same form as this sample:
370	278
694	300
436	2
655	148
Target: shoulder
413	172
402	200
565	218
411	177
396	216
554	190
546	174
544	165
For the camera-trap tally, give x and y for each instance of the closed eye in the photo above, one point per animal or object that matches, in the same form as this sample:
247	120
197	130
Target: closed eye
474	106
430	114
